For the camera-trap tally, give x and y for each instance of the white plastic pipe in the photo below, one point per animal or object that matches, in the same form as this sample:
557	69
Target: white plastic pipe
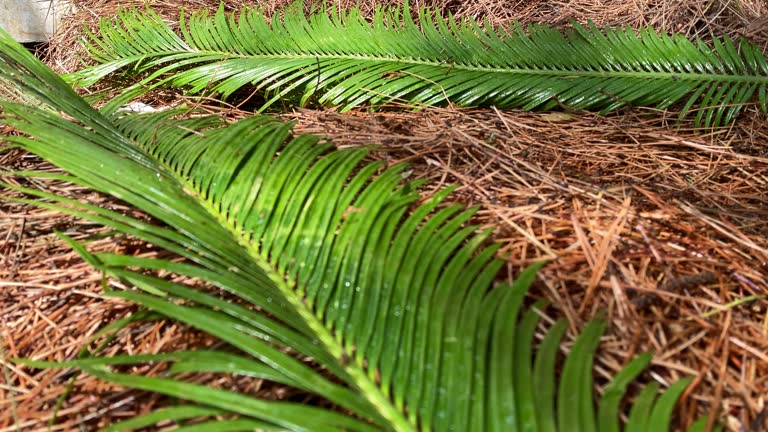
32	20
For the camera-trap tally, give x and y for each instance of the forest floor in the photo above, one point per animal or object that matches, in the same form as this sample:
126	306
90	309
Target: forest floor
663	227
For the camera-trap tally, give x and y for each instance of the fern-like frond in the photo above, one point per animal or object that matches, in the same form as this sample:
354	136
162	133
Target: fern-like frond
338	58
331	259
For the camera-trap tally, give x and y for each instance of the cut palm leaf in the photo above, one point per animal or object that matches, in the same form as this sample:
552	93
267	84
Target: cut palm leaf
338	58
331	259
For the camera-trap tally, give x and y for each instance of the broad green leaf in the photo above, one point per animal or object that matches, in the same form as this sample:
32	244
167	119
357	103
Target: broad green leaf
163	415
608	409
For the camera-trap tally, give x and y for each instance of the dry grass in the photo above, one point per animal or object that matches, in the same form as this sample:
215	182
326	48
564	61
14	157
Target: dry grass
663	228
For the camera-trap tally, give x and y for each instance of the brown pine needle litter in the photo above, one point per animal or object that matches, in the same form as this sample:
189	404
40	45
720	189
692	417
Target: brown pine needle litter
663	228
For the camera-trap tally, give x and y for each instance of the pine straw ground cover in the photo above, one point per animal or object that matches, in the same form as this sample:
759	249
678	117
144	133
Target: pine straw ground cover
663	228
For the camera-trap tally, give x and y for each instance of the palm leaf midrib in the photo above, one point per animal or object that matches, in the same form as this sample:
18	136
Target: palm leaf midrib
565	73
370	390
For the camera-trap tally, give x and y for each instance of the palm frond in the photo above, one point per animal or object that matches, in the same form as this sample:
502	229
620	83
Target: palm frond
332	259
338	58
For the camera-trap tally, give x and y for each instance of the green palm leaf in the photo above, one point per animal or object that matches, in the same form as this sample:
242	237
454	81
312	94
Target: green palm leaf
331	258
338	58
